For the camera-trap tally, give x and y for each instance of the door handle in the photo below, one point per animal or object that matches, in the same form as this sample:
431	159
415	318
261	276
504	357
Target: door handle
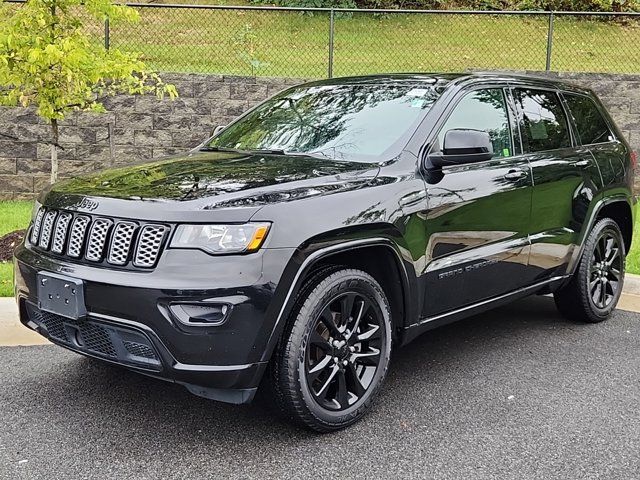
582	163
515	174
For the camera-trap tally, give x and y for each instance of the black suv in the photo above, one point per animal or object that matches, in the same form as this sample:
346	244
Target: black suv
326	225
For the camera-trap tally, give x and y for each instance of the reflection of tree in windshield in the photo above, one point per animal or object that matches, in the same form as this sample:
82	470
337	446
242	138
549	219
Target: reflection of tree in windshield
332	120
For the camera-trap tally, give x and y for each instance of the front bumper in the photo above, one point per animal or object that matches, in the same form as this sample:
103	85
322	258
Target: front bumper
129	321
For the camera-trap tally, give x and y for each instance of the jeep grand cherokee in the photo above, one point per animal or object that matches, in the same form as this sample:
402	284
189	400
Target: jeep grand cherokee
330	223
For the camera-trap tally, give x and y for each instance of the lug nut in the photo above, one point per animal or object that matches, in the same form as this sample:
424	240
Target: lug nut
344	362
335	359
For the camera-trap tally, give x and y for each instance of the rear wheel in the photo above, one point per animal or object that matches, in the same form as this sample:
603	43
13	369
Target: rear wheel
596	286
335	353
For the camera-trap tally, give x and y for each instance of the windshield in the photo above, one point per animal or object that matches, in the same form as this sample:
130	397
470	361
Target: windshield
341	122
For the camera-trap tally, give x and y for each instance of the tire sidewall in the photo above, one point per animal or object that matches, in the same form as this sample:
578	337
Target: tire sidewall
605	225
363	284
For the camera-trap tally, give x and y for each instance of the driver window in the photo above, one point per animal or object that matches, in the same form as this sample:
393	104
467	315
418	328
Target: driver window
483	110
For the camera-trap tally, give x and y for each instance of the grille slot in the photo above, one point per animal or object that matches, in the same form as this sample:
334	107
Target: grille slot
97	239
149	243
47	228
60	235
116	343
121	242
37	223
76	239
139	349
100	240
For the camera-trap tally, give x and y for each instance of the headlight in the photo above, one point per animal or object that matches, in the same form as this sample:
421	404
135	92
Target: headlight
219	239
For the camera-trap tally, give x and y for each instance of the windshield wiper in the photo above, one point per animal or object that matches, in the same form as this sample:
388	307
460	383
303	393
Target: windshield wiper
274	151
208	148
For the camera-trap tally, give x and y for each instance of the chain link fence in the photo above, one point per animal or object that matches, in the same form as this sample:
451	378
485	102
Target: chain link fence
316	43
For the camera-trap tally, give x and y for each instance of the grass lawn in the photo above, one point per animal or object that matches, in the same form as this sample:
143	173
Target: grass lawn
296	45
15	216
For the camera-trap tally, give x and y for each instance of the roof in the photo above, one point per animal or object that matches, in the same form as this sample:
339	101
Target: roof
442	79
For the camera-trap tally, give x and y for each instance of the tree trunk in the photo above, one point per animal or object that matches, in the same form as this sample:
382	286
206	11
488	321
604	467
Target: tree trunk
54	151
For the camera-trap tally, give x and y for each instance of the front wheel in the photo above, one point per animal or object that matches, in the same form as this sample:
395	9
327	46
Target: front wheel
336	350
593	292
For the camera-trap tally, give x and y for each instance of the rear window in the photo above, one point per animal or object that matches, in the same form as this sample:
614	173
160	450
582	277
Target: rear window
543	125
591	126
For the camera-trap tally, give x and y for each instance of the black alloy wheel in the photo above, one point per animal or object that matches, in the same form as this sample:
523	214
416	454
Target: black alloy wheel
344	351
335	352
596	285
606	269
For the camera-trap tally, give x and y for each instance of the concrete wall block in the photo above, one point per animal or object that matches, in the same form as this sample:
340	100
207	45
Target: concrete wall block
33	167
191	106
16	183
174	122
616	105
119	102
207	89
43	152
127	119
30	132
76	135
20	115
248	91
152	104
10	148
91	119
153	138
123	136
40	182
187	139
8	166
126	155
93	153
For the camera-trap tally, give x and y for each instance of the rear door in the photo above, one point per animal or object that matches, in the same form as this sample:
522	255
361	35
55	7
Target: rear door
478	213
563	179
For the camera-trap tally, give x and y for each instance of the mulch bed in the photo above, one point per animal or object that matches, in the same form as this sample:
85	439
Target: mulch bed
8	244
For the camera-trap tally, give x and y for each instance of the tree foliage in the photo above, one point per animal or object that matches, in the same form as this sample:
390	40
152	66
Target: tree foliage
48	60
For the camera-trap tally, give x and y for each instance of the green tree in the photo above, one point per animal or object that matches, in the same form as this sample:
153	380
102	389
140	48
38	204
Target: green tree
48	60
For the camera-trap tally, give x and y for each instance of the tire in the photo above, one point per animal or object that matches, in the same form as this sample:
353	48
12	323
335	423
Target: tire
595	288
326	373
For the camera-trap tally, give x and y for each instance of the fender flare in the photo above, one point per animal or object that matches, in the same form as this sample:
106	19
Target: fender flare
598	205
308	264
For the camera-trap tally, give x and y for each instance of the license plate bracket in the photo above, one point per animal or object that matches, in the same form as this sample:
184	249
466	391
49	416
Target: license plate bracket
61	295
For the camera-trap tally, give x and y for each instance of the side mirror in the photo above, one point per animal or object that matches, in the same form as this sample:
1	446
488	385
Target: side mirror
217	130
462	146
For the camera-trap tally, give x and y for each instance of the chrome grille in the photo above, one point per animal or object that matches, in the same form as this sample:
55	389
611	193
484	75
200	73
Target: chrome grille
47	227
121	242
76	239
37	223
149	243
98	240
60	235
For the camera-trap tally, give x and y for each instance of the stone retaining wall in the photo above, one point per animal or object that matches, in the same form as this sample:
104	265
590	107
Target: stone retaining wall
144	127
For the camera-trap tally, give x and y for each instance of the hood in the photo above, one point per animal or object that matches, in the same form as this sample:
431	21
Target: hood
212	180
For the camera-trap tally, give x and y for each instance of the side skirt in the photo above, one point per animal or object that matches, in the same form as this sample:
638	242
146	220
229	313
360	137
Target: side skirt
426	324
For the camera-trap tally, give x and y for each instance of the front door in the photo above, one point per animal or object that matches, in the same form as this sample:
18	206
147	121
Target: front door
478	213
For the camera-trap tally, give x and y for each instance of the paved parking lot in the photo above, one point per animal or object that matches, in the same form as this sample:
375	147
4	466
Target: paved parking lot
515	393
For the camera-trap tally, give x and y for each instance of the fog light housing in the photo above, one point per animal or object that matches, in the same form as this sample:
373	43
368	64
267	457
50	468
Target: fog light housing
200	314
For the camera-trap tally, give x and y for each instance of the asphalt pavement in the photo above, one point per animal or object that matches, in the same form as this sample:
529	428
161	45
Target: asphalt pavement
514	393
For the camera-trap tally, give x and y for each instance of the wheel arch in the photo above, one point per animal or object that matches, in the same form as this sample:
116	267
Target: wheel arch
619	207
389	269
